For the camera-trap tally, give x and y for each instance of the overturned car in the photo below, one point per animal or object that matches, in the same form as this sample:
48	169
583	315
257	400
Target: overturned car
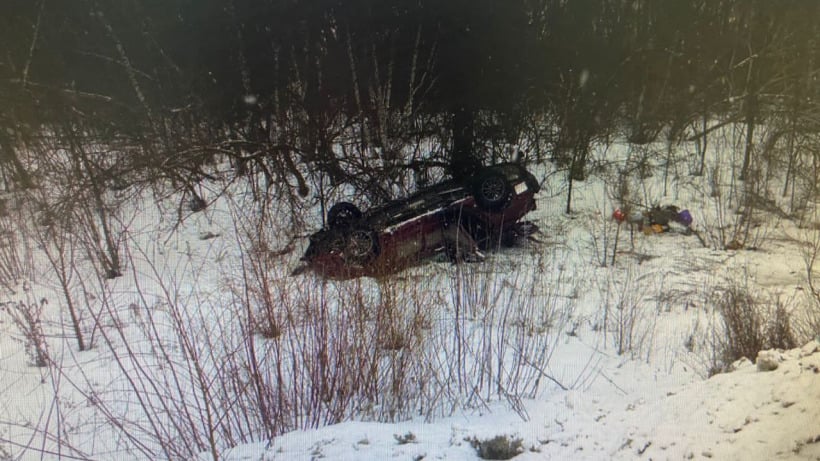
456	218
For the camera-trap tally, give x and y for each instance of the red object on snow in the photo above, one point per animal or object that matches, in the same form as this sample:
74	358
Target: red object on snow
618	215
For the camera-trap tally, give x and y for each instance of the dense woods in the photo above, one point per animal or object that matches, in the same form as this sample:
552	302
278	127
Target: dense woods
361	92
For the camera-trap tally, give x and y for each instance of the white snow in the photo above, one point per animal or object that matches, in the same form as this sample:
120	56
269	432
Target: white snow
627	375
745	414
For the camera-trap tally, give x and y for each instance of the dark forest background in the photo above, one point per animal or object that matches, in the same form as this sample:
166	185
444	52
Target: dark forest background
367	92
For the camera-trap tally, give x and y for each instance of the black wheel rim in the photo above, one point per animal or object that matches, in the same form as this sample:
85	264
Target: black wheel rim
359	244
493	189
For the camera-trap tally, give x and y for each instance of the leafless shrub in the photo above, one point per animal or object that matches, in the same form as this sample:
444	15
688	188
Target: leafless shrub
78	198
742	320
733	221
788	153
16	261
739	209
750	323
604	234
809	324
177	360
61	251
385	350
628	315
743	325
47	434
505	328
779	332
27	318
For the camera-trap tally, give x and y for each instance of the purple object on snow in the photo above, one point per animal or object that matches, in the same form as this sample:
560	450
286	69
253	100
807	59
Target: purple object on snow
685	218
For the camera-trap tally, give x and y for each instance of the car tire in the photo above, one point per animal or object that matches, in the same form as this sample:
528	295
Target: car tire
361	245
492	191
342	214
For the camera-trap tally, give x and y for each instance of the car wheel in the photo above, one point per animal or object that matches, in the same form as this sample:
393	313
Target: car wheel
492	191
343	213
361	245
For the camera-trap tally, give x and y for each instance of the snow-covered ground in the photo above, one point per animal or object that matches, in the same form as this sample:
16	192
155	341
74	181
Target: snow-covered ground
628	346
746	414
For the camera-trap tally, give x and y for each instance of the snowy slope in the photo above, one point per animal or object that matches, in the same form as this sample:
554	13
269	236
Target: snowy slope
647	396
746	414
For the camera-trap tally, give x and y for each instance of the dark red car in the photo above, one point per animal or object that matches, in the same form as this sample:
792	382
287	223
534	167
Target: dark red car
459	218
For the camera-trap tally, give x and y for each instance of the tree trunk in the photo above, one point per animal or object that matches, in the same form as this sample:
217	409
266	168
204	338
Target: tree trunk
703	144
751	110
747	150
463	161
18	171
